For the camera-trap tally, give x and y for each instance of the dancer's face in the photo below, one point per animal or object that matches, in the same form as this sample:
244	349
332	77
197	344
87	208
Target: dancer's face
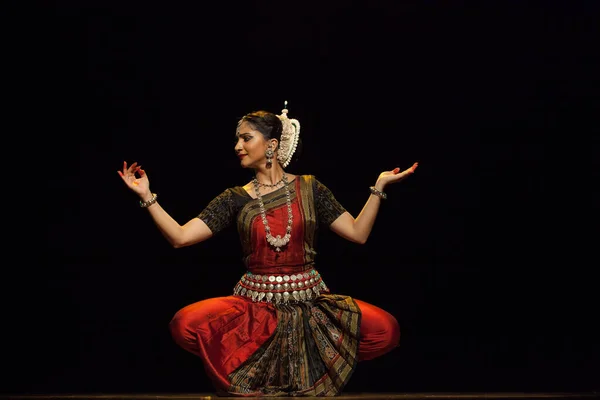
250	146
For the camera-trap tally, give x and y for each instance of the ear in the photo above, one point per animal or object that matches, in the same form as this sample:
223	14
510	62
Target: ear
274	143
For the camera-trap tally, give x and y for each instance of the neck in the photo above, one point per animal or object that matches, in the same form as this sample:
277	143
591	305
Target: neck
270	176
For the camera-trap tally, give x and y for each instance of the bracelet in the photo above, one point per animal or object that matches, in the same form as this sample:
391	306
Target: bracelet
148	203
378	193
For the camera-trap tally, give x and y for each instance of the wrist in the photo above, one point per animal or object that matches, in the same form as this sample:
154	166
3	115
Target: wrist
378	193
149	202
146	196
379	186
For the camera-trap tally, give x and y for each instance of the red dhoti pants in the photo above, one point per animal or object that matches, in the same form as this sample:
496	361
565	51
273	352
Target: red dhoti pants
242	326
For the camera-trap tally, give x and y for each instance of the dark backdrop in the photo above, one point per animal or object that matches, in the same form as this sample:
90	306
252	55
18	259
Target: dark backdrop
485	255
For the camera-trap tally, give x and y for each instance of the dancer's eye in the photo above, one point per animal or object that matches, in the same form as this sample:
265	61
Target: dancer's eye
245	138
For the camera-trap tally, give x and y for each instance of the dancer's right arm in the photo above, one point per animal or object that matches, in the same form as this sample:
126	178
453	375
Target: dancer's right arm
194	231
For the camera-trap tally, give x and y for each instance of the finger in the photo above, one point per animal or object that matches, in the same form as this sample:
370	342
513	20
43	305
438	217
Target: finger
410	170
395	170
133	166
123	177
133	171
142	172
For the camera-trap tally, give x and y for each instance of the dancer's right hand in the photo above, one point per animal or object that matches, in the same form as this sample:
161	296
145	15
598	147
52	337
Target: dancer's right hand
141	184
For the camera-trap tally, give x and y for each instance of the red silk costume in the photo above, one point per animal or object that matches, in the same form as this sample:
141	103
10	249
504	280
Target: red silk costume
306	346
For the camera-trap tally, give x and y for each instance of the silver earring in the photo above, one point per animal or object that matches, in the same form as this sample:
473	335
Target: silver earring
269	154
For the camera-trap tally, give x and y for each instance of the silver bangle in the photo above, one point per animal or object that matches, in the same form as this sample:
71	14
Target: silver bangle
145	204
378	193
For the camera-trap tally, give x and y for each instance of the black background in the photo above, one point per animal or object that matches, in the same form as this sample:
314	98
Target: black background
485	255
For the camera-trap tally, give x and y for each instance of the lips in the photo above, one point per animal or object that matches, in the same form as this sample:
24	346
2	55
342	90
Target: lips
241	155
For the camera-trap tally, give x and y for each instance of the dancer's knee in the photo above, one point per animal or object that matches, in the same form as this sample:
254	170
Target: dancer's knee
393	331
181	331
380	332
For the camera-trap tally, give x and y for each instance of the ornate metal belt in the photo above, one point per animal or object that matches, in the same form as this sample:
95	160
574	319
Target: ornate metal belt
281	289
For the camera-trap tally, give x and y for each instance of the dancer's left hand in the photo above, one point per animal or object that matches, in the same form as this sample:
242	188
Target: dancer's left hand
394	176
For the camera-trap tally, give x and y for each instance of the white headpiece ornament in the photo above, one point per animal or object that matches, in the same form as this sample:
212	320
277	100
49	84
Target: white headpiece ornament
289	137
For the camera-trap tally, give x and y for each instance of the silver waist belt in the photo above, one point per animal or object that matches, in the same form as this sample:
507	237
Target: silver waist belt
281	289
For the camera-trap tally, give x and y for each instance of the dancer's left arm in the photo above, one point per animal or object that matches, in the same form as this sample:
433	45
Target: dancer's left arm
358	229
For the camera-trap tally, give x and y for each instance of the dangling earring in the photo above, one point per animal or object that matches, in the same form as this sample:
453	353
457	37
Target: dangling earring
269	154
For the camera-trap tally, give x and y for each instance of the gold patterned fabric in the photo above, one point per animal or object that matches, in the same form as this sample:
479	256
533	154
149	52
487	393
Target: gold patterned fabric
327	207
221	210
313	351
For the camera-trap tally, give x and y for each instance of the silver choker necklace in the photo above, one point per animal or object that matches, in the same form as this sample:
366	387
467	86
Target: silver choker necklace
278	242
273	185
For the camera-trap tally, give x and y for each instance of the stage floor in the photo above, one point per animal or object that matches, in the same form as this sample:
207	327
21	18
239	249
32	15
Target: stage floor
346	396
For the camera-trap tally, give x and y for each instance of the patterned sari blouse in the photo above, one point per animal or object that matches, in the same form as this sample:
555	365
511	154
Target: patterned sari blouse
313	205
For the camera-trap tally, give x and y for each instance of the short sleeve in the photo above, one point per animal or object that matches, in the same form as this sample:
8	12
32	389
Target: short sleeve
328	208
220	212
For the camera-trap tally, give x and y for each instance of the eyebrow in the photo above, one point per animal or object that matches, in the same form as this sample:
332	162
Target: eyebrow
243	134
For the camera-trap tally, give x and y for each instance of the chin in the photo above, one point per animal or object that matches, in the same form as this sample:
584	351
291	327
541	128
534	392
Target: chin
244	164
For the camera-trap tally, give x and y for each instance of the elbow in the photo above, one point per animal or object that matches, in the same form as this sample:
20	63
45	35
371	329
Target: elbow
360	241
359	236
177	244
356	238
178	241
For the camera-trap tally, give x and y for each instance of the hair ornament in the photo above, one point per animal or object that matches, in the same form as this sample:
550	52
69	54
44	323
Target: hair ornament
289	137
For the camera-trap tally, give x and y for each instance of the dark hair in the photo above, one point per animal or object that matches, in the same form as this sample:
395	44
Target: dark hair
270	126
265	122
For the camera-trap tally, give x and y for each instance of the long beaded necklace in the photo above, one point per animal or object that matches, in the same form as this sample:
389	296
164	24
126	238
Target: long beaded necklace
278	242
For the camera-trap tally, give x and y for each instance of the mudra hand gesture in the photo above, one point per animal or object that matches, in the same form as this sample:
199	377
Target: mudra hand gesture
393	176
141	184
